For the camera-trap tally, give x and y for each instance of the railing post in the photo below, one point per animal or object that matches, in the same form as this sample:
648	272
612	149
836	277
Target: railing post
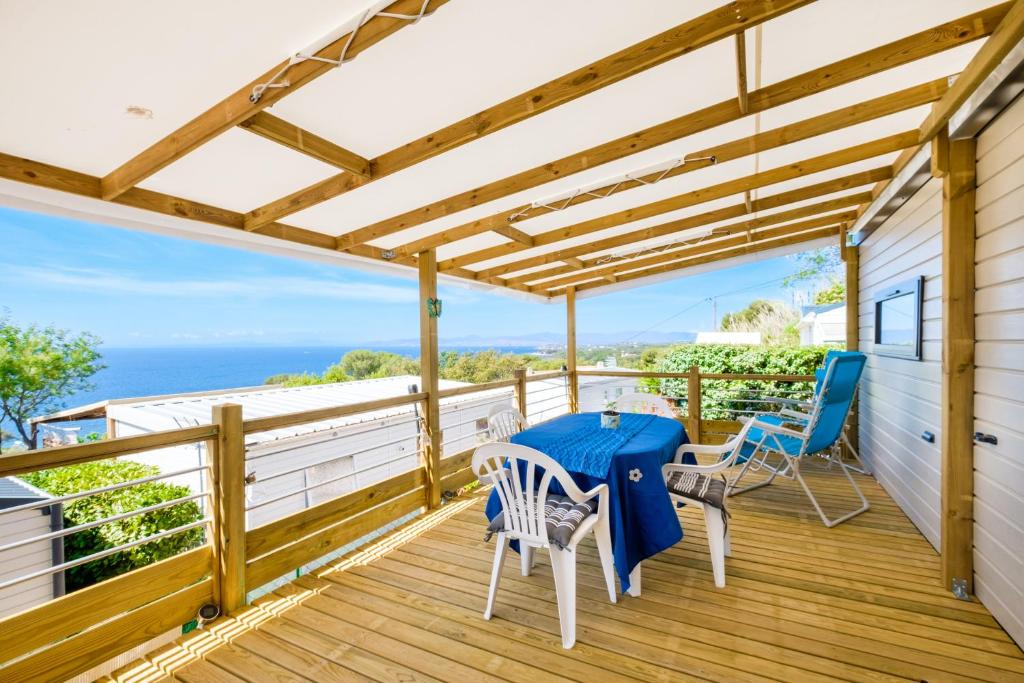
852	258
520	390
229	501
570	349
693	403
430	309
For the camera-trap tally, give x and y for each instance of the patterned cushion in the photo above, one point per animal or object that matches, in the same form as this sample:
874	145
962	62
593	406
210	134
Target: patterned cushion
562	517
698	487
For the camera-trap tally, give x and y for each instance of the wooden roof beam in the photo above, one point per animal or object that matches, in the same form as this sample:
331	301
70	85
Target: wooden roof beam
743	250
905	50
719	23
237	107
829	122
742	96
842	157
288	134
625	264
697	221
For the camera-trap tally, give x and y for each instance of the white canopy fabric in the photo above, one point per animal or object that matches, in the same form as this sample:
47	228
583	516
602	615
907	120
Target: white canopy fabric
90	85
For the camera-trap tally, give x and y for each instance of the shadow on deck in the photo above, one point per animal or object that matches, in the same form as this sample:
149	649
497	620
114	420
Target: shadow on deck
860	602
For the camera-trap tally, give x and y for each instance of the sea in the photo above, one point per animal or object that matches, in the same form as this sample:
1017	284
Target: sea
137	372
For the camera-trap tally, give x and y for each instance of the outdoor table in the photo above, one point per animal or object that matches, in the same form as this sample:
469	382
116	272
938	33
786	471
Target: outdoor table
642	518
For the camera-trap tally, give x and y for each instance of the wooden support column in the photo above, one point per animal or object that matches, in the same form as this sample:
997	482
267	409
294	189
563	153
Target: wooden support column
851	256
520	390
693	404
229	501
570	349
429	375
957	442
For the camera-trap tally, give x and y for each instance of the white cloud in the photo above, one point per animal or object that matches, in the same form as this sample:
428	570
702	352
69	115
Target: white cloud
96	280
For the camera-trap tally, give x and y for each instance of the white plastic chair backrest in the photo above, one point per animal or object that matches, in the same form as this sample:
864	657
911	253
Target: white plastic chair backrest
504	421
521	477
643	403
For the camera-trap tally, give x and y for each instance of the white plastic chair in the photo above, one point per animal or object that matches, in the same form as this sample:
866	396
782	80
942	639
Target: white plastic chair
649	404
504	421
522	487
714	518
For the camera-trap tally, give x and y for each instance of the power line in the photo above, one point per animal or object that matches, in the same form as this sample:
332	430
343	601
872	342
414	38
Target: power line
704	301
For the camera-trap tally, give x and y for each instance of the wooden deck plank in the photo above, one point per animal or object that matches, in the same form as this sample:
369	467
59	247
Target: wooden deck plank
860	602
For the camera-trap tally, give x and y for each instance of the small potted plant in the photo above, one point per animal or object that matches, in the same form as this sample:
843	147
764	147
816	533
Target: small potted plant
610	417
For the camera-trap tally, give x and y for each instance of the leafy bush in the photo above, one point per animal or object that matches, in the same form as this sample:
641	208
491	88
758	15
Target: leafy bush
721	398
74	478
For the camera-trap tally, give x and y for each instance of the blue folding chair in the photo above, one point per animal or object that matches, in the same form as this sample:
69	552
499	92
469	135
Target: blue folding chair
816	435
794	410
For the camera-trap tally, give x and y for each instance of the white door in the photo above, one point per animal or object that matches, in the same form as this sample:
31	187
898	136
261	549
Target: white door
999	377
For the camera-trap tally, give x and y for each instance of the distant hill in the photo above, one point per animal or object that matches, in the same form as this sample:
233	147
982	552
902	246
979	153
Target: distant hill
549	339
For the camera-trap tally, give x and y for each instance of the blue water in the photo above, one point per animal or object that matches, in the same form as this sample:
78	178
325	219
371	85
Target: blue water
134	373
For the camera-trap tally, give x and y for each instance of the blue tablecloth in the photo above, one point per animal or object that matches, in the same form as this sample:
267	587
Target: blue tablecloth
643	519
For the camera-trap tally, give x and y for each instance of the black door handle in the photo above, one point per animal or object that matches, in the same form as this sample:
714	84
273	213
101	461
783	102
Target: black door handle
986	438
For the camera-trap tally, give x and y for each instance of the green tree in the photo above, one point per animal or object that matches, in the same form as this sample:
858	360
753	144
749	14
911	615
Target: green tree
75	478
773	319
835	293
39	367
723	399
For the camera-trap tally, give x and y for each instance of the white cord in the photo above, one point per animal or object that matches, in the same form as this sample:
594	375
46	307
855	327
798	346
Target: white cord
608	190
276	80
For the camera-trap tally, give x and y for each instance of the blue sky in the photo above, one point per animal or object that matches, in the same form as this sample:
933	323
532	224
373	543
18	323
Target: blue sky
136	289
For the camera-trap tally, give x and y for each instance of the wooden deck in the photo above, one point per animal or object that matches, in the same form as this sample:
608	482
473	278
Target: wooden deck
861	602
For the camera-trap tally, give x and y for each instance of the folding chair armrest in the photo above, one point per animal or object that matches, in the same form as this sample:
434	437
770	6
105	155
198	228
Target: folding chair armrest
784	401
671	467
795	414
777	429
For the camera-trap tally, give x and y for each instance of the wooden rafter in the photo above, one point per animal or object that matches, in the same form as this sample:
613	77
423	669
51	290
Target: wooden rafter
742	250
779	174
288	134
742	96
494	275
905	50
832	121
691	223
237	107
719	23
673	255
1007	35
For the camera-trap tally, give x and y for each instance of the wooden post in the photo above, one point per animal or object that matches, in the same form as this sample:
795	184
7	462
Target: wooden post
570	349
957	442
852	258
520	390
429	376
229	500
693	404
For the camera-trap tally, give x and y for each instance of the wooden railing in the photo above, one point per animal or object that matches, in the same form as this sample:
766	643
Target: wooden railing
74	633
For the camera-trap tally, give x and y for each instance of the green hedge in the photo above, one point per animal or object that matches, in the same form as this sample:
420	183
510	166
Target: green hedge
720	398
74	478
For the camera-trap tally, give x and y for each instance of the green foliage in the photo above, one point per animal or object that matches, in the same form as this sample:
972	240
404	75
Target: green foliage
40	366
74	478
835	293
814	265
364	364
294	380
720	398
773	319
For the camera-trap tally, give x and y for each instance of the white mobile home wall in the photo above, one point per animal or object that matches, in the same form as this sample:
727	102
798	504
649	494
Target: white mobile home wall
17	526
999	374
899	398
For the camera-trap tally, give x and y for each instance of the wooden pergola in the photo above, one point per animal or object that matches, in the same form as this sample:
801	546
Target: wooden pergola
754	129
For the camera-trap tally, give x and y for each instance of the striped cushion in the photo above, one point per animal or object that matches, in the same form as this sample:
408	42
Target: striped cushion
562	517
698	487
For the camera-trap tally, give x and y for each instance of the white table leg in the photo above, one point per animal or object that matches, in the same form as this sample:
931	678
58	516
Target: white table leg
634	582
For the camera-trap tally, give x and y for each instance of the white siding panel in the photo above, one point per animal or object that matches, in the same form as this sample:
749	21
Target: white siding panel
999	378
899	397
17	526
